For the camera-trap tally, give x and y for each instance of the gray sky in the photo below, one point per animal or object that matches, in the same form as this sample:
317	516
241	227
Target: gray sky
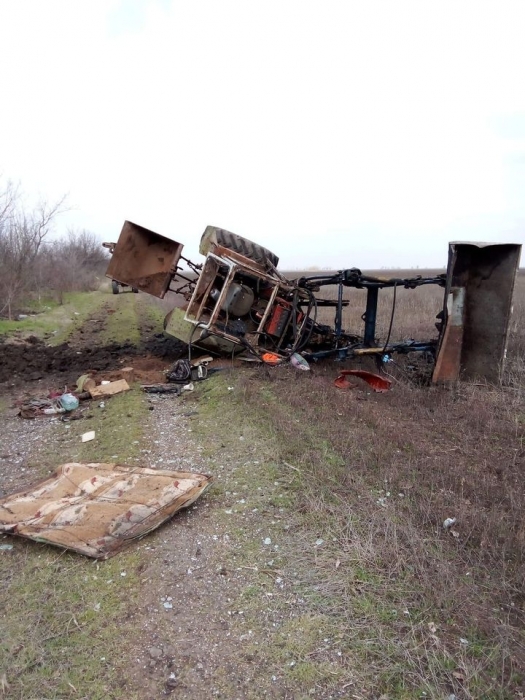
336	133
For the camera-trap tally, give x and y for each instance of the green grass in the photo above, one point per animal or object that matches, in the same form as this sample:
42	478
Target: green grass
56	322
295	652
373	576
122	326
63	629
152	311
118	430
64	617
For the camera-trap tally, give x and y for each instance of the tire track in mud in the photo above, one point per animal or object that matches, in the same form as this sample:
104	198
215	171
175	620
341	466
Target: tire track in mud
32	359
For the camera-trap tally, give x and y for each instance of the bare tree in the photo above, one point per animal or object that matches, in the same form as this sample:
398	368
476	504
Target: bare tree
9	197
75	262
21	236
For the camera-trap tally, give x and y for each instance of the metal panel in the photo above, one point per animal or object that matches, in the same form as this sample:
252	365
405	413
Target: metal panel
144	259
97	509
478	303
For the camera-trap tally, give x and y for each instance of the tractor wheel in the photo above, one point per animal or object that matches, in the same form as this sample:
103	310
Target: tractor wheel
114	287
253	251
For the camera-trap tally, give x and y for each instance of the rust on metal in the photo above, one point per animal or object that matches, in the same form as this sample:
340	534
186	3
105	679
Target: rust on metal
477	308
144	260
98	509
237	301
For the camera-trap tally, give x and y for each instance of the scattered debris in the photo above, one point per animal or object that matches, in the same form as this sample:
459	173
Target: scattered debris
447	524
128	373
199	372
85	383
97	509
184	370
172	681
205	360
161	389
180	372
87	437
6	547
271	358
69	402
55	404
376	381
52	410
109	389
299	362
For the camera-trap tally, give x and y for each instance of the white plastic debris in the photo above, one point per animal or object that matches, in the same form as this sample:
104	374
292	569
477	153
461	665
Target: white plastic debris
447	524
299	362
268	540
86	437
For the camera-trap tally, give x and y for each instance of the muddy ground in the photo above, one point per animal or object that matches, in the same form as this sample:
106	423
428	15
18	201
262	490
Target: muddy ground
32	359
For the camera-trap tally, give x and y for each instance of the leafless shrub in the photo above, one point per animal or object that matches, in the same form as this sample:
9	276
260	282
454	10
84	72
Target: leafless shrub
22	233
73	263
32	265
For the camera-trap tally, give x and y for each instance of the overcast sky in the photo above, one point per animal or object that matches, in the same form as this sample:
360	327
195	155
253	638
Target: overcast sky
336	133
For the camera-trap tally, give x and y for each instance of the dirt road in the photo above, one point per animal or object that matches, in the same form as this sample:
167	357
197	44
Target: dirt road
205	606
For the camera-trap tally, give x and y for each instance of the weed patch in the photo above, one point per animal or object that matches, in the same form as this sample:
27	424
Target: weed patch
54	322
372	490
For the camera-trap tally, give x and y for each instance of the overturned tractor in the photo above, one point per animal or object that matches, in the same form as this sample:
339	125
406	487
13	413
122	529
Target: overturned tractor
237	301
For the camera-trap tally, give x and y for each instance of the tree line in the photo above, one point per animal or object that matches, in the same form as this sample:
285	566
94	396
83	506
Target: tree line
34	267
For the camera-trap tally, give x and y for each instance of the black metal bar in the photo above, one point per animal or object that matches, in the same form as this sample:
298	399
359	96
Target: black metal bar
188	279
360	281
372	296
339	312
357	349
326	302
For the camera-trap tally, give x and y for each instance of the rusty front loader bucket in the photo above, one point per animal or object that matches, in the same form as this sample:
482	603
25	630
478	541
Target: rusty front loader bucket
478	304
144	260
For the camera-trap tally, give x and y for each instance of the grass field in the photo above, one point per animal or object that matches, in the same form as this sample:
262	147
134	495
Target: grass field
376	599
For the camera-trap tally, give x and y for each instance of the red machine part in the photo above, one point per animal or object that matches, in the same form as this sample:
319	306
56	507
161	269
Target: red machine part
279	317
376	381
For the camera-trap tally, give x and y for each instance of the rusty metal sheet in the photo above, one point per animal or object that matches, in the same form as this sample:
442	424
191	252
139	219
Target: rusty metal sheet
144	259
98	509
478	304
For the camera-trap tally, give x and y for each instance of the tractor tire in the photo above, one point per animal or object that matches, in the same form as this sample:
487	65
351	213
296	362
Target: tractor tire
114	287
253	251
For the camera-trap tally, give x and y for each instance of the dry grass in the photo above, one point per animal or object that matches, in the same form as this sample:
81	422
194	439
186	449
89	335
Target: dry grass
415	311
378	475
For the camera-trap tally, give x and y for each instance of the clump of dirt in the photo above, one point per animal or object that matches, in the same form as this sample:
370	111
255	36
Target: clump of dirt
32	359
